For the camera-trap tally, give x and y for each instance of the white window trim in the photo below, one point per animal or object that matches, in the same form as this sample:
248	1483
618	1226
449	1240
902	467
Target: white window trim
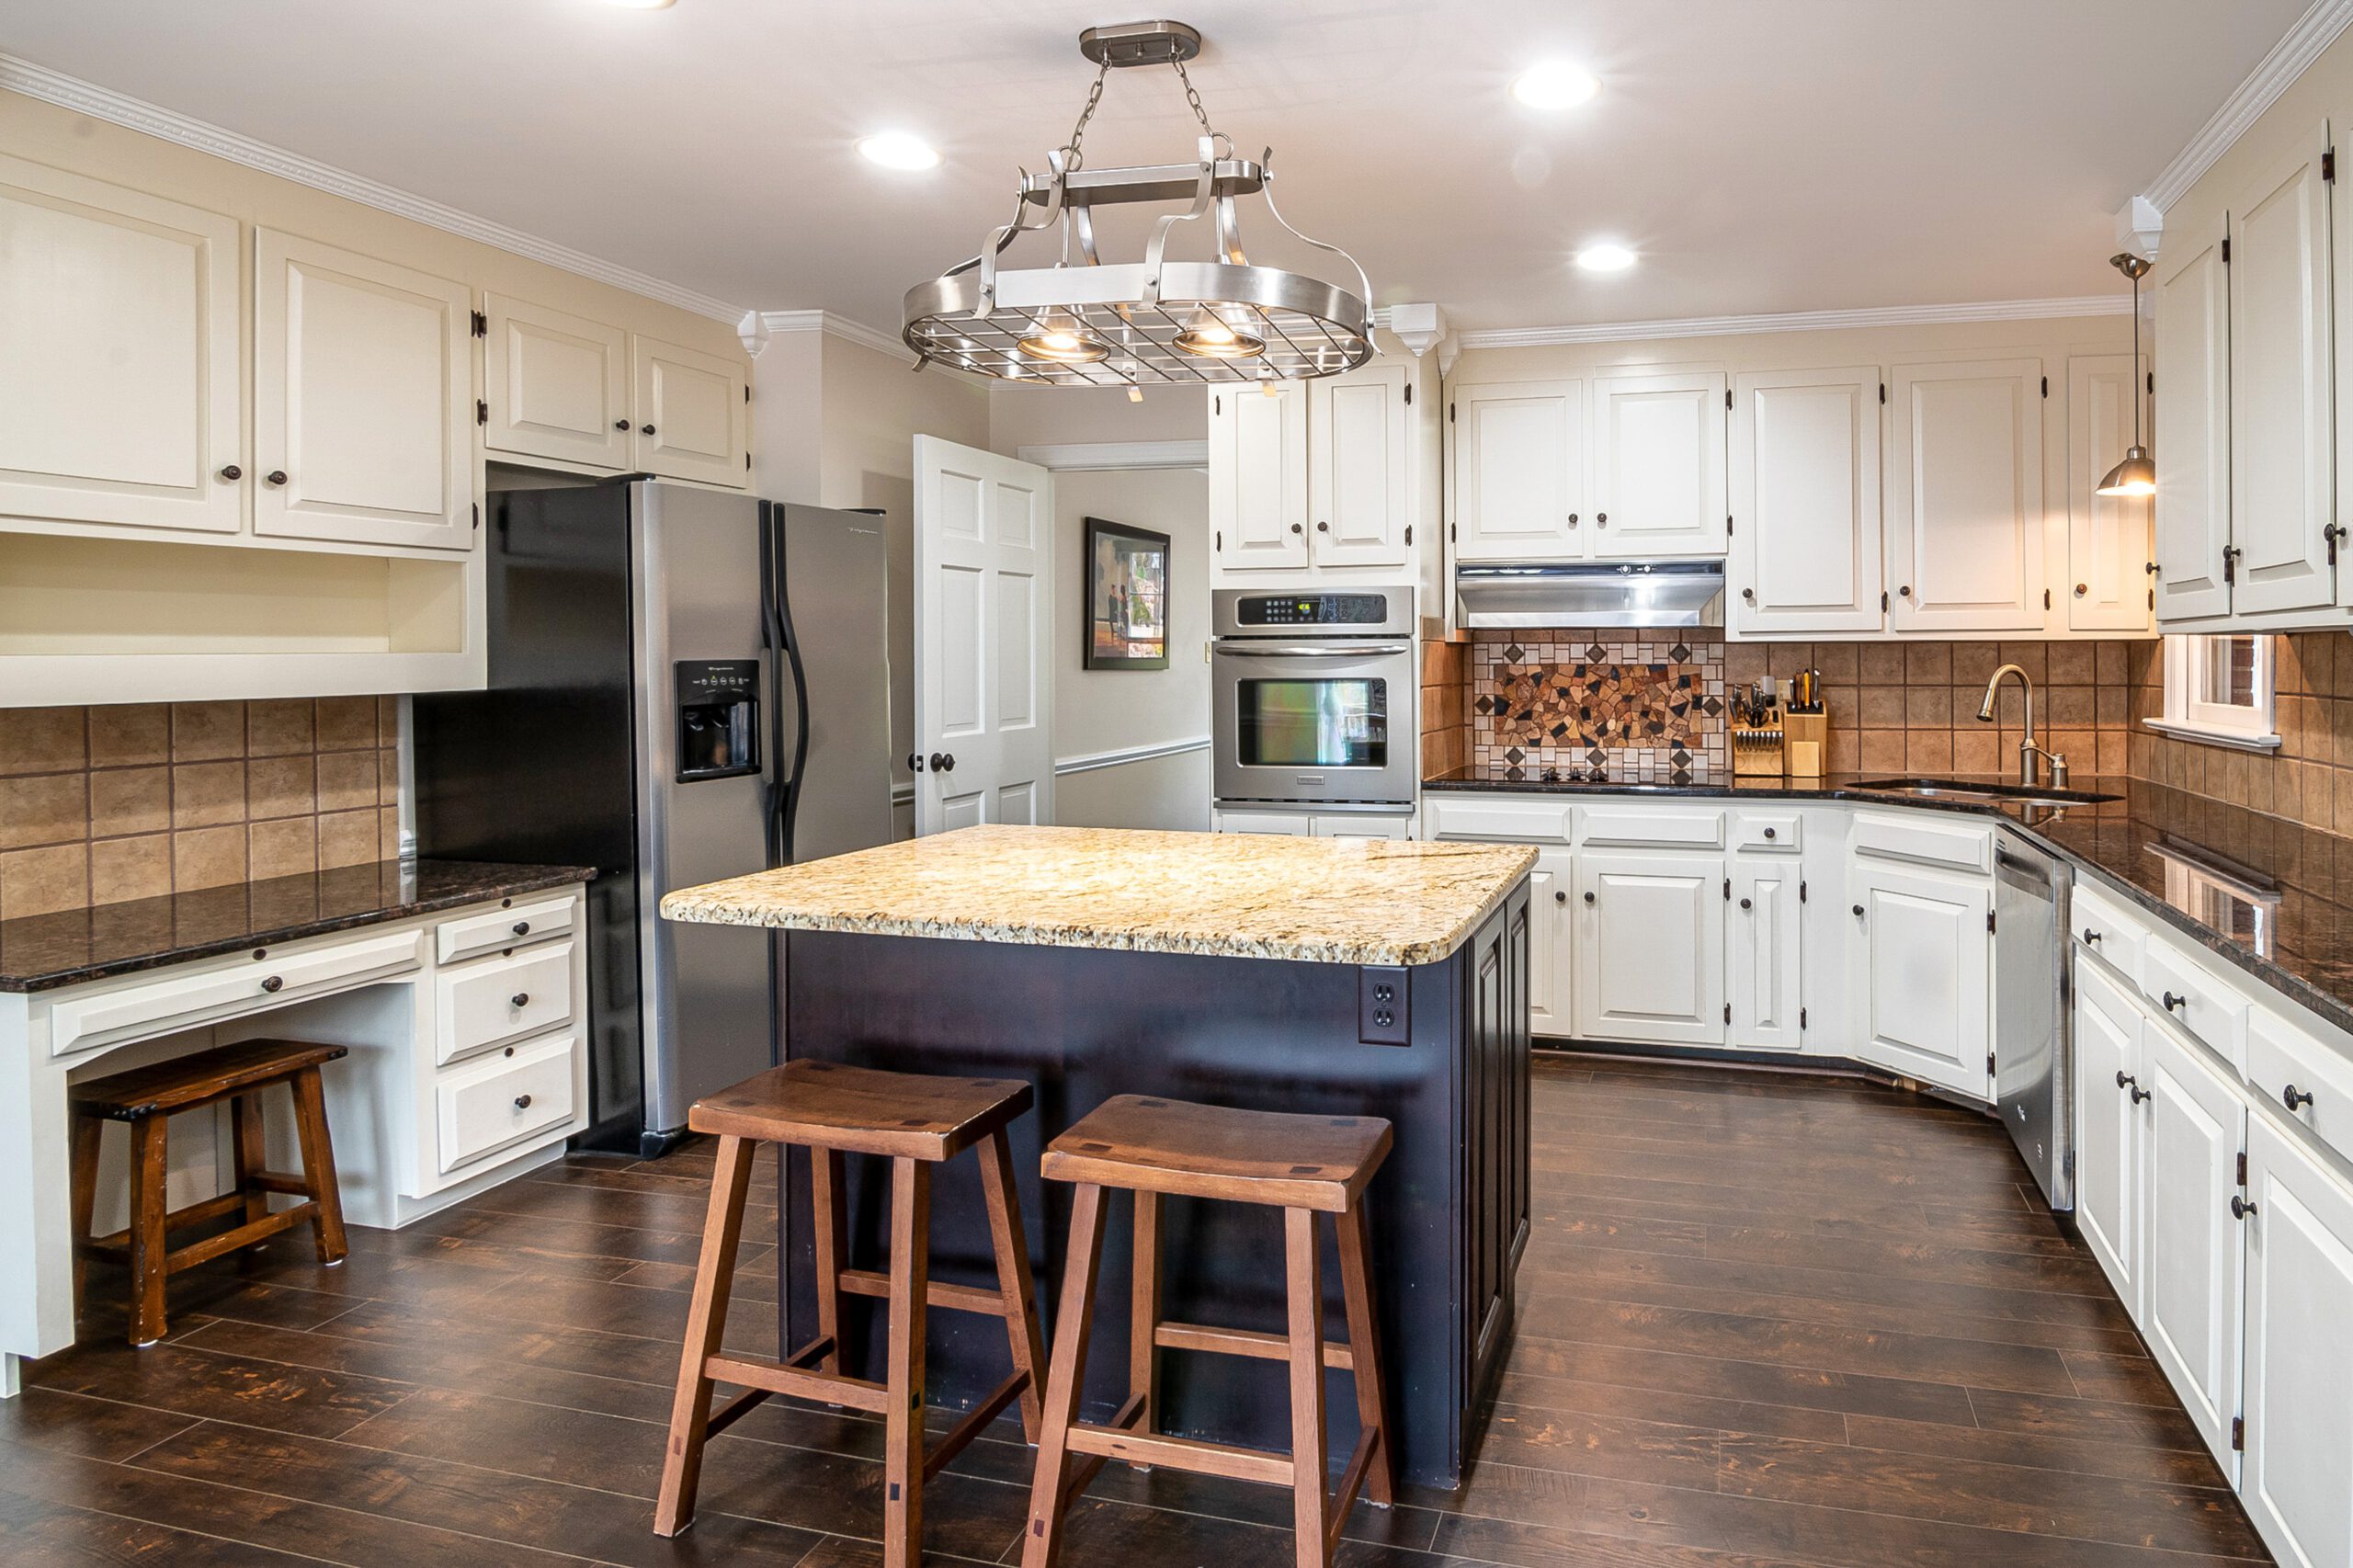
2214	723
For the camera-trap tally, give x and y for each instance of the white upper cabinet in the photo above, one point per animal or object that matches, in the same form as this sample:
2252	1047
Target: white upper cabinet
1805	502
1258	476
1360	433
1965	515
2108	546
1658	466
556	386
1650	946
690	415
2282	426
363	421
119	324
2193	424
1517	467
2192	1311
1923	976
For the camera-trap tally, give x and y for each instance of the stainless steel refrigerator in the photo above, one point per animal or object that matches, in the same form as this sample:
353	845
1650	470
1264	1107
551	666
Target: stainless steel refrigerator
684	685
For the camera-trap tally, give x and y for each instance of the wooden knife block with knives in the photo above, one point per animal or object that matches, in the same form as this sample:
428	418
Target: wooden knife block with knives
1773	740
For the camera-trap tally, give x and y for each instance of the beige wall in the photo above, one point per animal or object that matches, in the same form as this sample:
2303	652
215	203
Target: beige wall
1026	416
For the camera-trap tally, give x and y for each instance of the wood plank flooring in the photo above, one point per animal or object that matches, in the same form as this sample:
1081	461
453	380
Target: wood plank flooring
1765	1319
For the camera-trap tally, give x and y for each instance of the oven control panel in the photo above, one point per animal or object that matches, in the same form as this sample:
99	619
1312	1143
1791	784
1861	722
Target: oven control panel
1312	609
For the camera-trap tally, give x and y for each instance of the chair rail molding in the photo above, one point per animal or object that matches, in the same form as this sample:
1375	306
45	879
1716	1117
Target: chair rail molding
1090	761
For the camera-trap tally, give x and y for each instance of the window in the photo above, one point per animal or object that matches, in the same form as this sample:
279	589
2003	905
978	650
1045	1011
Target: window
2218	689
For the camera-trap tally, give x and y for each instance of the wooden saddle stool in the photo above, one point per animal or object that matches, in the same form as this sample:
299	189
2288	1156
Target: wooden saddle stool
146	1098
915	1121
1304	1165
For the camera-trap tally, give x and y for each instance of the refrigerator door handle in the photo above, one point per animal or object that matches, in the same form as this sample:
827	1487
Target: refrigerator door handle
776	615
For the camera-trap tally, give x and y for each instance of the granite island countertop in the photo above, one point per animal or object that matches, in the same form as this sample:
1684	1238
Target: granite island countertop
2286	919
1230	895
41	952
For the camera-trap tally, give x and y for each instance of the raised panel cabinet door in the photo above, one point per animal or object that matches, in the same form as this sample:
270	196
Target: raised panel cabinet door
2192	1308
2283	482
2192	421
119	326
1518	471
1965	518
1258	478
363	411
557	384
1550	886
2109	1096
1924	976
1357	433
2108	541
1805	501
690	414
1658	465
1763	974
2297	1480
1649	947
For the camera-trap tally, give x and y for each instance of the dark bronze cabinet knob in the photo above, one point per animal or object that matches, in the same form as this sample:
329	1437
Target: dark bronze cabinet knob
645	429
2081	590
2295	1096
233	473
522	927
276	477
1859	912
1748	594
1602	519
1770	832
2240	1207
273	983
1589	898
2091	937
1573	519
1559	898
2126	1080
522	1102
1743	904
1322	527
2175	1003
521	999
620	423
1297	529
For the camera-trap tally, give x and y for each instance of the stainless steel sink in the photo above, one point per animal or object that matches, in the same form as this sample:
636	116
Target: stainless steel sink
1983	789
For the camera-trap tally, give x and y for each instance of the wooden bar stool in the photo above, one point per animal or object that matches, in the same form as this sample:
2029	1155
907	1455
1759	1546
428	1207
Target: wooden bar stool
1304	1165
146	1098
915	1121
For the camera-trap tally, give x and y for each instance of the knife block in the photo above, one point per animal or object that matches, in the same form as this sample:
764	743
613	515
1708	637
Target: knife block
1756	748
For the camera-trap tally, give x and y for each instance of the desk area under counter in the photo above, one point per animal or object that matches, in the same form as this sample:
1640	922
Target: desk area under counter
459	988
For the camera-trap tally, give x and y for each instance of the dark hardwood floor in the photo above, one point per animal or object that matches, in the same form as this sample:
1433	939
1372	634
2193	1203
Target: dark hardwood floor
1765	1319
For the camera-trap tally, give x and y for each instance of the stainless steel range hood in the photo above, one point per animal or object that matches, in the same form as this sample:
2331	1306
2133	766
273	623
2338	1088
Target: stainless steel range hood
1590	593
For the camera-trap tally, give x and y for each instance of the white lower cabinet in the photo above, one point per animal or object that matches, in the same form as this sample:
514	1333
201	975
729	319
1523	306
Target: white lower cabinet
1762	971
1923	975
2190	1289
1650	946
2109	1097
2297	1480
1550	951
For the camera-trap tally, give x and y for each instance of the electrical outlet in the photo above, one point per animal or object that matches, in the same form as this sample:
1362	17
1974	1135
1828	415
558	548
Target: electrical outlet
1382	1013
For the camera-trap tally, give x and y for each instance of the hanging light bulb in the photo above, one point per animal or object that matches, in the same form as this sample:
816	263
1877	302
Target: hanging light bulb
1213	336
1062	338
2136	476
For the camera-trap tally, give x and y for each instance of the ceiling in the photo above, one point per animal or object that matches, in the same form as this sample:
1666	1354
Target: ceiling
1762	156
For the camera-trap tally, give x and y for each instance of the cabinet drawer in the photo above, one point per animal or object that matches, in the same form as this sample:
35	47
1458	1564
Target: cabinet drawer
494	1000
2101	926
474	933
1956	844
1669	829
2194	996
2280	1056
487	1106
1521	821
225	991
1768	831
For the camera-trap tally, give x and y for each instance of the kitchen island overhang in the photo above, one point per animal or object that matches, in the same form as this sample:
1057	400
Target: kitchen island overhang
1317	976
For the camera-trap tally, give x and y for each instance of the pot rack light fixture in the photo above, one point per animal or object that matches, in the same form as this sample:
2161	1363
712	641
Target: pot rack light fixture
2136	475
1086	322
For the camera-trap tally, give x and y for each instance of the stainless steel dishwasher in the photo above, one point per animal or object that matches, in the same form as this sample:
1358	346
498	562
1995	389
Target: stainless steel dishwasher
2034	1067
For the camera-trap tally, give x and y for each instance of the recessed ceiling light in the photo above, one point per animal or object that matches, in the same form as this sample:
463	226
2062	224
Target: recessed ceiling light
1555	85
1605	257
897	150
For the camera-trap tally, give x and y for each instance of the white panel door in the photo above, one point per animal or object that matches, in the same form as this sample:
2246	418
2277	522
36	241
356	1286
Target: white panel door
2192	1311
1258	478
1649	947
1551	936
1965	522
557	384
2298	1478
2109	1098
1357	433
1762	972
1805	501
1518	465
1924	976
1658	446
2283	482
2192	340
363	411
983	668
120	322
690	414
2108	542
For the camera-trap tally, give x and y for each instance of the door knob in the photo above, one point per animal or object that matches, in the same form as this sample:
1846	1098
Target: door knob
915	762
2240	1207
233	473
276	477
2295	1096
943	762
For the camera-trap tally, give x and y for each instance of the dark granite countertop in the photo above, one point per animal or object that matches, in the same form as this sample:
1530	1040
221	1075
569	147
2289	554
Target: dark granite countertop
2271	896
39	953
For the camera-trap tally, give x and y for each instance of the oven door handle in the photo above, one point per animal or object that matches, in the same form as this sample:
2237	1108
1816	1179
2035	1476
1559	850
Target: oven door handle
1311	650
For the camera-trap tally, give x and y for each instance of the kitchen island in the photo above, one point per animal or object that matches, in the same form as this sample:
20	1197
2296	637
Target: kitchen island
1309	975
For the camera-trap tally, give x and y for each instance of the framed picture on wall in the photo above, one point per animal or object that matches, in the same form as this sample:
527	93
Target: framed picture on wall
1127	598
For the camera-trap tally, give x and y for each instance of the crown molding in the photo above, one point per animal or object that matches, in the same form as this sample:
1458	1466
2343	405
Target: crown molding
36	81
840	326
1797	321
2303	44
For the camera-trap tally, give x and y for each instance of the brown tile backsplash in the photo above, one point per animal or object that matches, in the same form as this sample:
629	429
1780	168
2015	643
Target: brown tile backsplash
102	805
2310	778
1645	705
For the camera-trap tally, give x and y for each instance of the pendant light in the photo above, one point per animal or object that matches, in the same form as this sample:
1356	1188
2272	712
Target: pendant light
1084	322
2136	476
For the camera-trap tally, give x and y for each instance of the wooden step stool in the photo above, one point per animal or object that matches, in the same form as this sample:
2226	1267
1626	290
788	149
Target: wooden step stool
915	1121
1305	1166
146	1098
